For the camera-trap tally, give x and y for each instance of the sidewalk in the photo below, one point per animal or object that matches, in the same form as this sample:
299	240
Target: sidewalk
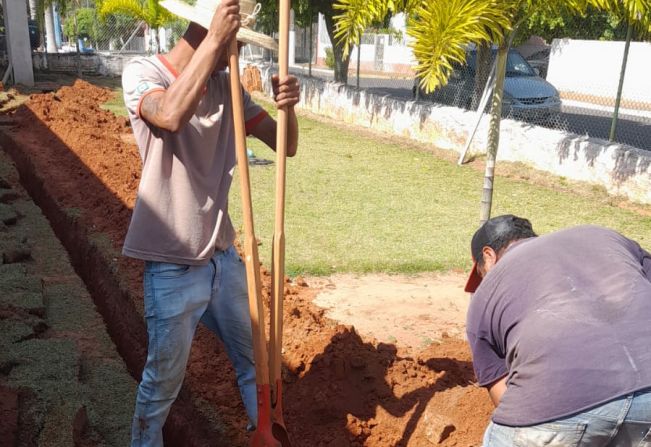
623	112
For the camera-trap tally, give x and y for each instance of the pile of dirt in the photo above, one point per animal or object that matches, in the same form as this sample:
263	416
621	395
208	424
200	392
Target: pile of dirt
341	389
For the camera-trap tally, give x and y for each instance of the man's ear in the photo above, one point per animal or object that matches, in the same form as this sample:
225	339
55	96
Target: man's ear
490	258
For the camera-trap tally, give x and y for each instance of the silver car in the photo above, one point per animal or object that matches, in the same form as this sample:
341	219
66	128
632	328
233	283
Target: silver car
527	96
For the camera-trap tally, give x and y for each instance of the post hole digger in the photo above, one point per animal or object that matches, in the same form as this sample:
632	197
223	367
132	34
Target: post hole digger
278	264
270	431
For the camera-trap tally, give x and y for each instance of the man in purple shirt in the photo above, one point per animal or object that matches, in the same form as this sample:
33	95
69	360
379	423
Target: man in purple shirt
560	331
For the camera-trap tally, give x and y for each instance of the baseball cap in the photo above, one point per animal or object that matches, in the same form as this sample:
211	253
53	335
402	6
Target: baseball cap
486	235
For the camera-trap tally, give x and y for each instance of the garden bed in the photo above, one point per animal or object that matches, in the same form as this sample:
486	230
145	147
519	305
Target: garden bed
80	166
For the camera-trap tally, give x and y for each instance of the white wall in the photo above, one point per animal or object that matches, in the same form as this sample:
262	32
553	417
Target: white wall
592	67
95	64
620	169
394	55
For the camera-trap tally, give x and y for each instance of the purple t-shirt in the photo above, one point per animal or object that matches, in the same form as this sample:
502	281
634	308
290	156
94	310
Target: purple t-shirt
566	317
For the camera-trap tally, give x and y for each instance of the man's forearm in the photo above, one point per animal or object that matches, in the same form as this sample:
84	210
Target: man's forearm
182	97
496	390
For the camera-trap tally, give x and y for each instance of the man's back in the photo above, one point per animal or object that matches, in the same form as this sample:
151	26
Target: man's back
562	313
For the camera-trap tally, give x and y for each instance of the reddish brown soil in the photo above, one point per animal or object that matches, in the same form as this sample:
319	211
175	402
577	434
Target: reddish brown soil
340	389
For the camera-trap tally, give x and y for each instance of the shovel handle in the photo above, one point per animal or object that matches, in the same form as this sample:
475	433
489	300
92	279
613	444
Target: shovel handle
278	255
251	259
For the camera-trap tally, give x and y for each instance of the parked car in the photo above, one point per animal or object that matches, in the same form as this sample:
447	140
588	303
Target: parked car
526	95
34	34
540	61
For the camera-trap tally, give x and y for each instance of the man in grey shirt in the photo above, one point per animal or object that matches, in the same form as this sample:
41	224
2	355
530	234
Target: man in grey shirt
560	332
180	110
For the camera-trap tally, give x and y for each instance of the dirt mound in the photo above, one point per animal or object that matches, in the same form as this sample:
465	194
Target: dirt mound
341	389
85	143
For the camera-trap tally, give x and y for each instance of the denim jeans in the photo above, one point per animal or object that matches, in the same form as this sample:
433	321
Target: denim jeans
624	422
177	297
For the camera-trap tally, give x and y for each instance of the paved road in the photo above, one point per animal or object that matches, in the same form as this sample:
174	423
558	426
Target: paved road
631	130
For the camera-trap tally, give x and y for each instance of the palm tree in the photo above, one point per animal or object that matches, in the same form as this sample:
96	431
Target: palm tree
149	11
442	29
45	10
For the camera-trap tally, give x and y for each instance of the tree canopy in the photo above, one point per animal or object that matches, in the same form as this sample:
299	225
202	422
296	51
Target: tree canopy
442	29
149	11
305	11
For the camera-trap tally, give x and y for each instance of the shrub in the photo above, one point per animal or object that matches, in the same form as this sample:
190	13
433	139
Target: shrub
330	58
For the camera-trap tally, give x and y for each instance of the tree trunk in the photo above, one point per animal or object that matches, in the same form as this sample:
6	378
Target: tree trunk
341	62
620	86
51	44
493	134
311	46
78	57
33	9
482	71
157	38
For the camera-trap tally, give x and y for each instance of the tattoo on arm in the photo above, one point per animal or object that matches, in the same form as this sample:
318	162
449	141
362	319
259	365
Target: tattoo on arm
150	107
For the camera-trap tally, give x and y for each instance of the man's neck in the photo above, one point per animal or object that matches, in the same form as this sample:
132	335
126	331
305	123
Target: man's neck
179	57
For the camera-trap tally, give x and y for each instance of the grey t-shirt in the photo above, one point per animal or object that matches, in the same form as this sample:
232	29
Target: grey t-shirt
566	317
181	215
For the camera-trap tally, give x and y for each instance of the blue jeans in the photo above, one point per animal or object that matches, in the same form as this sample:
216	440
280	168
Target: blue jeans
624	422
177	297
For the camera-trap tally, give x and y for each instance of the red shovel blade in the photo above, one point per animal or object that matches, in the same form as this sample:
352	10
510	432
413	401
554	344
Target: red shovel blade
278	426
263	436
280	433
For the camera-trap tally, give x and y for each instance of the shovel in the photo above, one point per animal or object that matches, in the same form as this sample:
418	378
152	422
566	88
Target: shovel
278	250
263	436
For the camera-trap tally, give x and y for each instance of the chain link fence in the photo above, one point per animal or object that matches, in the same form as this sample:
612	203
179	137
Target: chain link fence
568	85
84	29
116	33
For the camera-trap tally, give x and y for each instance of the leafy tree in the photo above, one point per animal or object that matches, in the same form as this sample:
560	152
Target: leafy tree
44	6
86	25
305	11
442	29
113	27
149	11
594	24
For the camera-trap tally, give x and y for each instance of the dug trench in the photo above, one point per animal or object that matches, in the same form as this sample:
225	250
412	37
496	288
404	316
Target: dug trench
80	165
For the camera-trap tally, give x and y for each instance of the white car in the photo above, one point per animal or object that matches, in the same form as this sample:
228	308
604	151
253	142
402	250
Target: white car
526	95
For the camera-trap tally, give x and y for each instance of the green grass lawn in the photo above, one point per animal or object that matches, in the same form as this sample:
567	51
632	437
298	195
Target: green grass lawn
116	104
359	204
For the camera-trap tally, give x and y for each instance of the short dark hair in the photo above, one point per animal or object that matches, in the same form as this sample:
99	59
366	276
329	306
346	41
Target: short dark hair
498	232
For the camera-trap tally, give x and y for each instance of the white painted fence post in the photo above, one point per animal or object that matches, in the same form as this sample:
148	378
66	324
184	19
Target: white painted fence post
18	44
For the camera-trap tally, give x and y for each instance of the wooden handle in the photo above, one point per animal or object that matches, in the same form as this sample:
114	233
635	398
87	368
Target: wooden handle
251	260
278	267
